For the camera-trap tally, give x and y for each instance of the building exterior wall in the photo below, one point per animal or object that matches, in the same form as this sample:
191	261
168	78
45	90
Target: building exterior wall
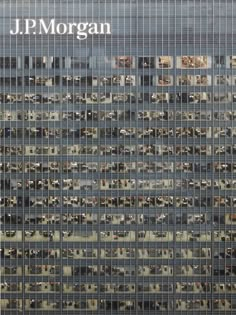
117	155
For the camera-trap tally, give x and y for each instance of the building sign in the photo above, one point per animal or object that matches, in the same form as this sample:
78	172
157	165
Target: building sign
41	27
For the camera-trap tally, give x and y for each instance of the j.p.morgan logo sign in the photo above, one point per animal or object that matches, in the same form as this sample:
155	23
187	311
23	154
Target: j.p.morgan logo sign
51	27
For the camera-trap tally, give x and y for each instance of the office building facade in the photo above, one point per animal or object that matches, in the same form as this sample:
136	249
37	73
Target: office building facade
118	157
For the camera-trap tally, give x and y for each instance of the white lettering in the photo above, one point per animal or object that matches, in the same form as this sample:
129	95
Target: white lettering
50	29
17	28
81	28
71	26
108	28
61	28
93	28
29	24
